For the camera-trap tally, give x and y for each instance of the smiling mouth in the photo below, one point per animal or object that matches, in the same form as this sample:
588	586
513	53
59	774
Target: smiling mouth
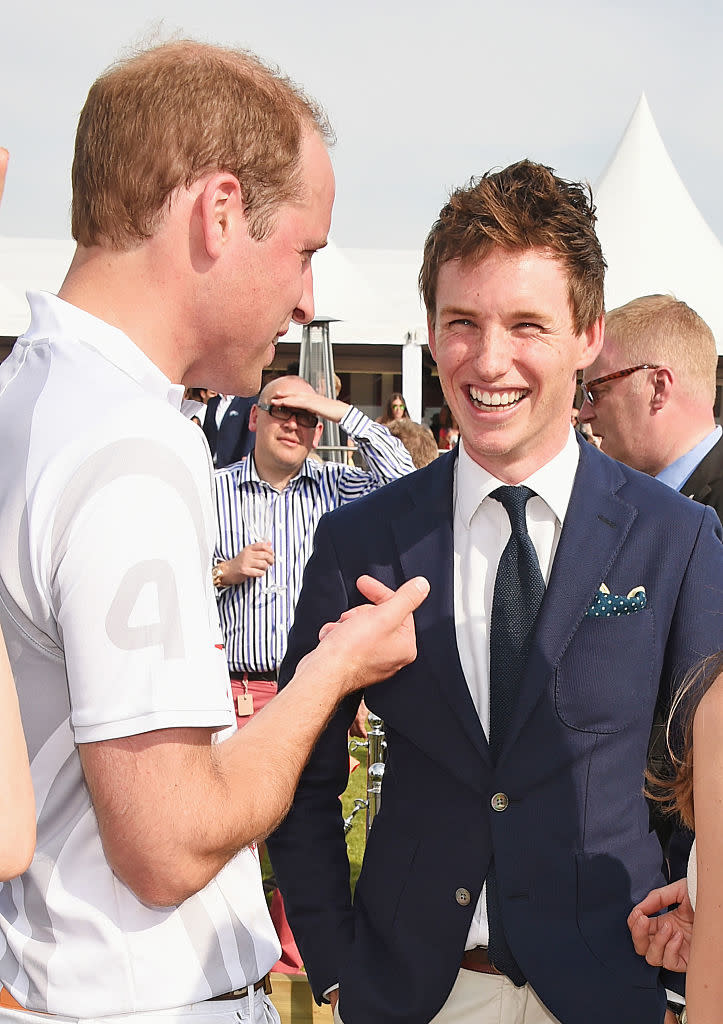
489	400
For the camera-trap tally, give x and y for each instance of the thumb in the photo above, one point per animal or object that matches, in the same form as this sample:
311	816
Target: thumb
404	600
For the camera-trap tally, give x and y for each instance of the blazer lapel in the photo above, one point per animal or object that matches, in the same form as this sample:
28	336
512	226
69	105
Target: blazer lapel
596	524
698	484
425	542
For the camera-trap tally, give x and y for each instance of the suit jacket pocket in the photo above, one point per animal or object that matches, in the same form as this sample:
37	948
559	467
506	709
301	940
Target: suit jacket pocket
605	678
604	900
385	872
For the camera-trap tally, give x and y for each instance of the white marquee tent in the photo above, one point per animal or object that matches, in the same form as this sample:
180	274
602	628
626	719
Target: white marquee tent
653	236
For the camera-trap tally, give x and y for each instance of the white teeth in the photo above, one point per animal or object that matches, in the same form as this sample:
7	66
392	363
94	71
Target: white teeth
494	398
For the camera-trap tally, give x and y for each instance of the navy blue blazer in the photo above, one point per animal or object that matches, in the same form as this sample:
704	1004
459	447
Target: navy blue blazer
573	849
233	439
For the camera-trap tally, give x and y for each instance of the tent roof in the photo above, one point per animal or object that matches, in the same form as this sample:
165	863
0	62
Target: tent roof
652	234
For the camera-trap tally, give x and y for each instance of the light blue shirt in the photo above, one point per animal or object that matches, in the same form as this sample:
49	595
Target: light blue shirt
678	472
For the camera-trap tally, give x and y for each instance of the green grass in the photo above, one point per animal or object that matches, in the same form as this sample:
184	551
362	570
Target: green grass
356	837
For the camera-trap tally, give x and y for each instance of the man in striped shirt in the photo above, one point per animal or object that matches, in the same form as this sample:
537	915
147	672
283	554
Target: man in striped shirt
267	507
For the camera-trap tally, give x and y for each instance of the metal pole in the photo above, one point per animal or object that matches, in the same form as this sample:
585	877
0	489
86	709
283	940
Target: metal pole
316	365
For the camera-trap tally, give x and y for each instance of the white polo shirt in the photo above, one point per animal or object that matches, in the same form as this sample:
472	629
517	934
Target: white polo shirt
110	620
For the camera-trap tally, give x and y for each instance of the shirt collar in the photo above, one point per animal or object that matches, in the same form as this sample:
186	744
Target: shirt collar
249	474
678	472
553	482
53	316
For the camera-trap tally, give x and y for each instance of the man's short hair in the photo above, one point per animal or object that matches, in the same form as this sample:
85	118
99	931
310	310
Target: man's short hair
417	439
661	329
524	206
161	119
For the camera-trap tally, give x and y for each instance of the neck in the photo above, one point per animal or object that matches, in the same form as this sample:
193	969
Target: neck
274	475
122	289
678	445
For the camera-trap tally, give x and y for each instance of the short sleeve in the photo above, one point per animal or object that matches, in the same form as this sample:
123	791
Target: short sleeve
130	585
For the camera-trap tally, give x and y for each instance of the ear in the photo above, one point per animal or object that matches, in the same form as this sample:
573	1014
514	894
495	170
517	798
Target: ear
431	338
318	431
663	380
222	212
253	418
591	342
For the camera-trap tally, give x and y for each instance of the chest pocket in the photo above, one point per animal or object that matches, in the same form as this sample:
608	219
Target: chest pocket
605	678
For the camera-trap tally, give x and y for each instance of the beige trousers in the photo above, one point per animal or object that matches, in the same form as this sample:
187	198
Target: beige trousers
488	999
491	999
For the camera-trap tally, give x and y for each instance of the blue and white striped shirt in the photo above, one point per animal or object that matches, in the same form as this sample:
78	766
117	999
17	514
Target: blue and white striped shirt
256	616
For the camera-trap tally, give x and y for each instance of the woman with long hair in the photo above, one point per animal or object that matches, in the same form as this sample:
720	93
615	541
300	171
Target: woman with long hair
689	935
395	409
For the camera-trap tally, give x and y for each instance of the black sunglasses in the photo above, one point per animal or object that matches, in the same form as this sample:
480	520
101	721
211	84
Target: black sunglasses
284	413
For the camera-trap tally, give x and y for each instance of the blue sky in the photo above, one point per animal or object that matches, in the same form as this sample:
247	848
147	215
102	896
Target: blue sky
421	95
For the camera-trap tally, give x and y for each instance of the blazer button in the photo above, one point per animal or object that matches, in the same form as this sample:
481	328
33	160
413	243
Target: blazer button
463	897
499	802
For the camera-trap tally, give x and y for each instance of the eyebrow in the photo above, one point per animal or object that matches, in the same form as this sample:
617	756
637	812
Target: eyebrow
529	314
456	311
524	314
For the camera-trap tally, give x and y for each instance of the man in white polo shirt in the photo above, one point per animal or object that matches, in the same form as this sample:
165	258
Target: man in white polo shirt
201	188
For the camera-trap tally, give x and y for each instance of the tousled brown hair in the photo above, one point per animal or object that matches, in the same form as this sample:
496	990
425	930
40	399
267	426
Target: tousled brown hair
161	119
417	438
524	206
674	789
663	330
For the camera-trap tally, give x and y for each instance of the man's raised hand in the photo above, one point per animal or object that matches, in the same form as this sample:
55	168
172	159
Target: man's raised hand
311	401
373	641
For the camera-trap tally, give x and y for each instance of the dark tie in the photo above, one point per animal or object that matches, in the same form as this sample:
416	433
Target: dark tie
519	589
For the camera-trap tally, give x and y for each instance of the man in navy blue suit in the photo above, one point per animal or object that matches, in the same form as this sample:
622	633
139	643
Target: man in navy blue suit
226	426
568	595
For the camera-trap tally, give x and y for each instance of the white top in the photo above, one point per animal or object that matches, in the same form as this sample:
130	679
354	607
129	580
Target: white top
110	621
481	531
224	401
692	876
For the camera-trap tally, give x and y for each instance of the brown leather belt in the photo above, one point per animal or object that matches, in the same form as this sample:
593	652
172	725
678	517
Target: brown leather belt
241	993
255	677
7	1001
478	960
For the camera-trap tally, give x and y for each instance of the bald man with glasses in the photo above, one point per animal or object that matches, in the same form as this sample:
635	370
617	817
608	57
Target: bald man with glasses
268	506
649	396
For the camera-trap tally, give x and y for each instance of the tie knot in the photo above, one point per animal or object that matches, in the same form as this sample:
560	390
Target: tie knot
515	501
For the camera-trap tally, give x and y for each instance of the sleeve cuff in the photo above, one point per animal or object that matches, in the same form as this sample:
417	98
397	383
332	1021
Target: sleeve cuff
325	993
354	422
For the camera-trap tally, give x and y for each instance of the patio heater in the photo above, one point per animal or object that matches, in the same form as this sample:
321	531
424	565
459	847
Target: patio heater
316	365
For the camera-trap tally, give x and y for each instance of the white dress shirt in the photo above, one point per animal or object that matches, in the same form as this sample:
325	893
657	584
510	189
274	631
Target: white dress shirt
481	531
224	401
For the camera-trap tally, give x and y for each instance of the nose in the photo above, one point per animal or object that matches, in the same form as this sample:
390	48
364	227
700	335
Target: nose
494	355
304	312
587	411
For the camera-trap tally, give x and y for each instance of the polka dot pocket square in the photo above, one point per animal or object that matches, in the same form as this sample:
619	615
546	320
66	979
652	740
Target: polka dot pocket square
607	604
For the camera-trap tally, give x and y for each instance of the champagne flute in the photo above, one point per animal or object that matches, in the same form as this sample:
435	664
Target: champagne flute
258	522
